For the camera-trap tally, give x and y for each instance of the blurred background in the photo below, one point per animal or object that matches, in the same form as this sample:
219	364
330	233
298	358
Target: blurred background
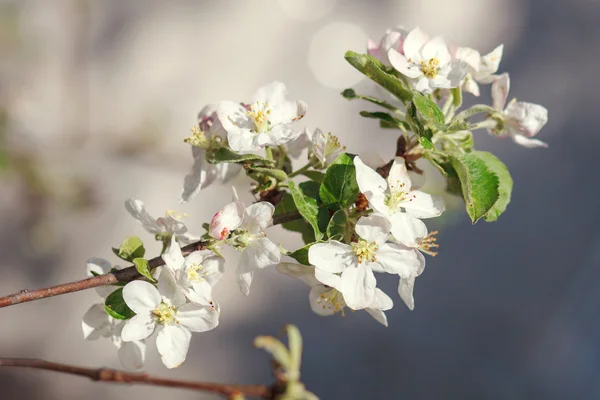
97	96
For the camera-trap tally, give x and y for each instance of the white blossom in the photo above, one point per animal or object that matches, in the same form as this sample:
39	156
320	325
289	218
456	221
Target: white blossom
519	120
202	172
349	267
166	308
325	147
427	63
195	274
163	227
249	224
393	39
265	122
326	301
481	69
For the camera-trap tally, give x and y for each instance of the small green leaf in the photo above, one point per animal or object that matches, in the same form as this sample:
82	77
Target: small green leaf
350	94
479	183
505	185
336	230
301	255
225	155
389	120
413	121
339	188
307	205
314	175
287	205
373	69
141	265
277	349
115	305
430	112
426	143
131	247
278	174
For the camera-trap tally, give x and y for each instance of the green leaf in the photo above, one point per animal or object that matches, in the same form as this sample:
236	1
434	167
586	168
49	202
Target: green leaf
373	69
479	182
389	120
141	265
505	185
287	205
426	143
115	305
225	155
413	121
336	230
278	174
350	94
314	175
339	188
305	199
131	247
301	255
430	112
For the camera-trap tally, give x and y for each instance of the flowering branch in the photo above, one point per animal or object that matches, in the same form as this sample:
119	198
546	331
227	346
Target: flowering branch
116	376
121	276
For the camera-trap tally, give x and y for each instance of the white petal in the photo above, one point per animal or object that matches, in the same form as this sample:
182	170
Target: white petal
318	304
423	205
142	297
173	343
132	354
138	211
212	266
331	257
368	180
401	260
138	327
374	229
97	266
401	64
378	315
436	48
226	220
198	318
405	290
414	41
227	171
259	216
244	280
272	93
458	70
526	118
470	56
489	63
200	175
173	257
95	322
233	117
500	89
286	113
168	288
408	230
306	273
398	176
423	86
527	142
200	293
243	140
262	253
358	287
382	301
327	278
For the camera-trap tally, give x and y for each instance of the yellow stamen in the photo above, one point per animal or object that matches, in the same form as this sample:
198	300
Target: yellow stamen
333	300
429	242
165	314
365	251
430	68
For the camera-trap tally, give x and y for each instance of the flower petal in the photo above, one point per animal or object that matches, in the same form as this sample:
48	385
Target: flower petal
200	175
97	266
358	287
413	43
138	211
173	343
374	229
263	253
327	278
436	48
319	305
226	220
525	118
489	64
368	180
259	216
331	257
398	177
132	354
142	297
408	230
138	327
405	290
244	280
306	273
401	64
168	288
401	260
423	205
272	93
500	89
527	142
198	318
95	322
173	257
378	315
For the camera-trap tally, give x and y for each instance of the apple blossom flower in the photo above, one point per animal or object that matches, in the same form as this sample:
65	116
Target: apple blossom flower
326	301
325	147
395	195
412	233
266	122
195	274
427	63
167	308
163	227
202	172
393	39
248	225
481	69
519	120
349	267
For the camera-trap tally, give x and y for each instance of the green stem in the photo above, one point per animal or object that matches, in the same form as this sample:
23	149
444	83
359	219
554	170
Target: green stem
308	166
281	157
269	153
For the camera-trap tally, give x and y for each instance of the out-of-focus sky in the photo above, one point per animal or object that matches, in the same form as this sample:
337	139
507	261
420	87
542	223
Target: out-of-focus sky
96	97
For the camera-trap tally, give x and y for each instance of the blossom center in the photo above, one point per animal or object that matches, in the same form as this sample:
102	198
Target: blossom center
430	68
399	194
198	138
332	145
428	243
259	112
332	300
194	274
165	314
365	251
177	215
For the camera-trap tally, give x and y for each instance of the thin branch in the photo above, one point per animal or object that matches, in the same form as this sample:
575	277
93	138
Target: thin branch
122	276
116	376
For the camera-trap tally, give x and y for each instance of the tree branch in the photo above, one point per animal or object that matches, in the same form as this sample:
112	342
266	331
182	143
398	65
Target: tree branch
116	376
124	275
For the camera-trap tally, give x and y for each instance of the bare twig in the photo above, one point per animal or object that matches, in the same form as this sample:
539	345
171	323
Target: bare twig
116	376
124	275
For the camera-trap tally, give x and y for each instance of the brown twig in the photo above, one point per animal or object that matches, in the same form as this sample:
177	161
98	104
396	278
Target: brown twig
124	275
116	376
